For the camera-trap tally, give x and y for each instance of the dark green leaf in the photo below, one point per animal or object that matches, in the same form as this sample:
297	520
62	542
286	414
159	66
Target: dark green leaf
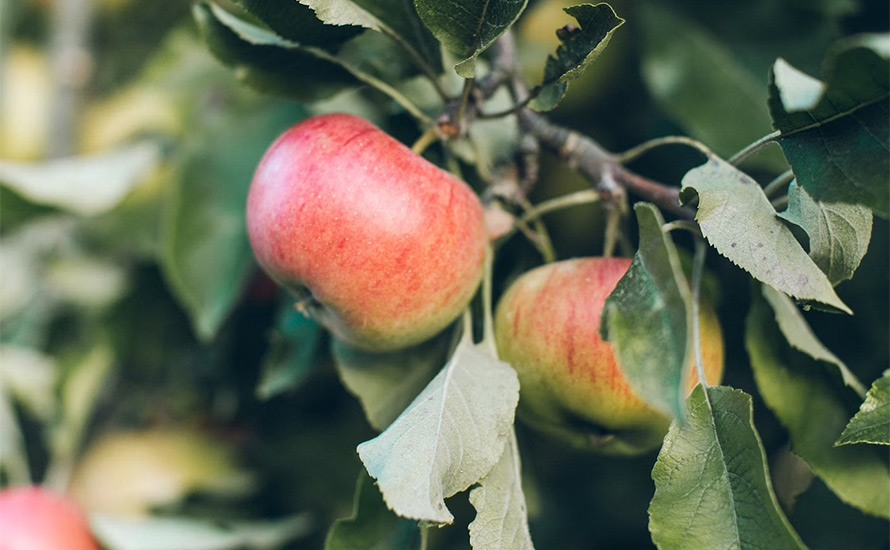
838	233
386	383
813	404
712	485
372	525
579	48
296	22
739	221
468	27
293	347
835	133
647	315
872	423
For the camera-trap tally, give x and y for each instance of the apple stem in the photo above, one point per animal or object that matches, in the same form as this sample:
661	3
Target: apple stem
430	136
488	339
698	264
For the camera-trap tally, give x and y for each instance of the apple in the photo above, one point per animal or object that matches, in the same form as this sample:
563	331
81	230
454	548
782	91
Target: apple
34	518
571	384
382	247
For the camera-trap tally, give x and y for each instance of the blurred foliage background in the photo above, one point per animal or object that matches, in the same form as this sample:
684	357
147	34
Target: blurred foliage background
148	368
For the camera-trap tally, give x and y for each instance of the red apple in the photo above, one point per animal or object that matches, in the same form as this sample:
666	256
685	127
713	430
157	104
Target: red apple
33	518
384	248
571	384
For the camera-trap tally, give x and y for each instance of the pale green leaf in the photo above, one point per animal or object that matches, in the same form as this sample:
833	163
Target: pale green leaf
872	423
87	185
813	404
501	514
372	525
578	49
468	27
386	383
839	233
291	355
647	318
738	220
798	333
448	438
712	485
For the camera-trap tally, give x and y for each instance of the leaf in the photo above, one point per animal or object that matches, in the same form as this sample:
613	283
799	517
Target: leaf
292	351
501	515
798	333
395	18
872	423
297	22
712	485
448	438
839	233
372	525
169	533
386	383
469	27
71	183
835	133
739	221
206	255
814	405
579	48
647	315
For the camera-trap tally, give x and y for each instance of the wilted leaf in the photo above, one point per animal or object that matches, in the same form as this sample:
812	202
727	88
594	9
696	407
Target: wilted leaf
469	27
812	403
86	185
647	315
293	346
372	525
837	140
386	383
839	233
448	438
501	515
739	221
579	48
712	486
872	423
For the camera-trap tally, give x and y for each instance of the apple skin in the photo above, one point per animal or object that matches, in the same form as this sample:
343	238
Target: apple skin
384	247
571	385
33	518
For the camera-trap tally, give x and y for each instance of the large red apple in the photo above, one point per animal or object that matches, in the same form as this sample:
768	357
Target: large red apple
571	384
33	518
384	247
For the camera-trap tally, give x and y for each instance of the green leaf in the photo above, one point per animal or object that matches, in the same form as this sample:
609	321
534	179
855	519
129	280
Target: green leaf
835	133
739	221
501	515
206	256
292	351
579	48
386	383
372	525
297	22
396	18
872	423
469	27
712	485
814	405
798	333
838	233
266	61
171	533
448	438
70	183
647	318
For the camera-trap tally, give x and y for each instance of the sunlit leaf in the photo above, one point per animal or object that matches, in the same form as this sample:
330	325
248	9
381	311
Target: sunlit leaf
738	220
448	438
872	423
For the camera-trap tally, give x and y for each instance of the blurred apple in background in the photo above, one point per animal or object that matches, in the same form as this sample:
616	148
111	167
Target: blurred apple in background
34	518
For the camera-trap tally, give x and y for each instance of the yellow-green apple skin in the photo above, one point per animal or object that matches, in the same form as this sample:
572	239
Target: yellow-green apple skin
34	518
384	247
571	384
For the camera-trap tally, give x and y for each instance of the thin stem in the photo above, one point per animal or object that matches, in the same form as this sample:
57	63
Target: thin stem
688	225
585	196
614	215
743	155
698	264
418	60
781	181
464	99
487	321
780	203
643	148
426	139
542	241
467	320
507	112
